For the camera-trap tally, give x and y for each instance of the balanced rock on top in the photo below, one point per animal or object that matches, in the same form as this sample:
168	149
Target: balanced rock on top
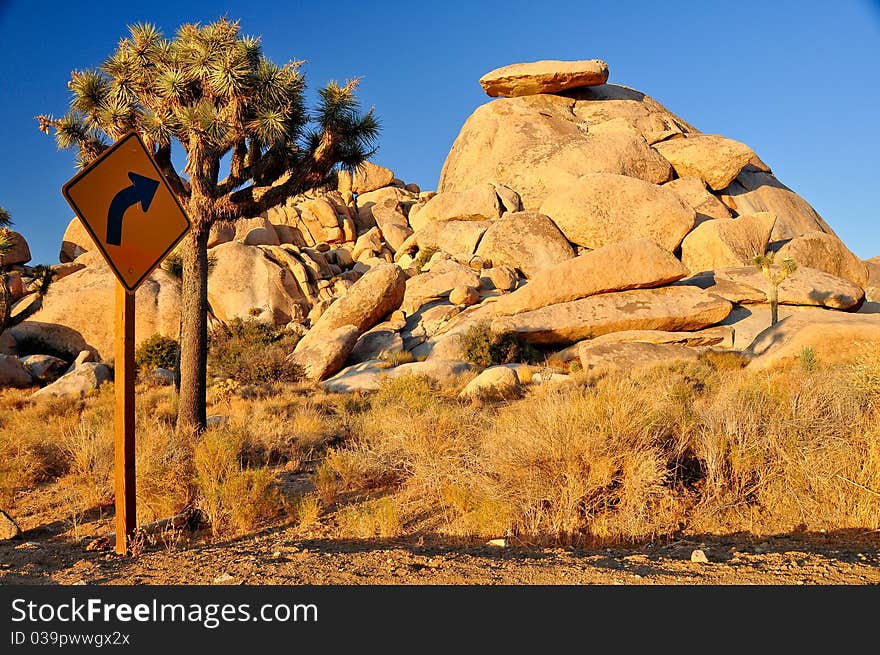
547	76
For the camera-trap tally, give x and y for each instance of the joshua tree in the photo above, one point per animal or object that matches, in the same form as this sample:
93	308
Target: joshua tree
775	275
211	90
5	240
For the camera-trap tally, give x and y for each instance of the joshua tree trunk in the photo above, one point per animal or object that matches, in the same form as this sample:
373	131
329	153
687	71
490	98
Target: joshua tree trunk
774	304
191	415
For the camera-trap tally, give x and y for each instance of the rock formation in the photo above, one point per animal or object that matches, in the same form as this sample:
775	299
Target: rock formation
582	216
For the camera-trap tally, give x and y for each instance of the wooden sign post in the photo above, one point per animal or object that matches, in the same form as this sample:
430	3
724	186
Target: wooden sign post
126	508
128	208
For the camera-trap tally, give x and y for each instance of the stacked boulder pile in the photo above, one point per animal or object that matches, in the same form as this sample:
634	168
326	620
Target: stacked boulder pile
582	216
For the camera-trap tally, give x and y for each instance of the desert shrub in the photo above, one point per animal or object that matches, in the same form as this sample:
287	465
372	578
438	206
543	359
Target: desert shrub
423	257
483	347
374	518
287	431
807	359
32	439
326	483
410	391
788	448
165	472
232	495
157	352
722	360
88	449
579	466
397	358
251	352
305	510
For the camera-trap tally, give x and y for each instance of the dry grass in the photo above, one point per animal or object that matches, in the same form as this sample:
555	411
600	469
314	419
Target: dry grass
305	510
374	518
705	446
234	496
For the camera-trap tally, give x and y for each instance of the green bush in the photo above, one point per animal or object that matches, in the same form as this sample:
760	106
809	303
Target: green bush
483	347
157	352
424	257
251	352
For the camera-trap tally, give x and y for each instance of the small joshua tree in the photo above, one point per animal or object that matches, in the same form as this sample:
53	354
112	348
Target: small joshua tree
5	239
775	275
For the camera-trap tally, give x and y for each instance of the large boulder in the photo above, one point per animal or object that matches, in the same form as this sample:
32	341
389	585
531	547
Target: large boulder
693	191
369	177
76	241
444	276
872	288
718	285
528	241
601	208
18	253
806	286
457	238
322	353
82	380
873	266
247	283
375	295
368	376
547	76
257	231
363	376
379	342
631	355
726	242
480	203
391	222
831	336
319	221
719	335
540	143
827	253
624	265
13	373
363	214
757	191
715	159
77	312
44	368
439	370
667	308
494	381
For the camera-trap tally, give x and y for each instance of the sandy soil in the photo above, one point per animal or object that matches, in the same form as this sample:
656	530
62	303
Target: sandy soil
53	551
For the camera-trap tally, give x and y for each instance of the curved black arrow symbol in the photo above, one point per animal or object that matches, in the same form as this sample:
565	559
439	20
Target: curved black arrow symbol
142	190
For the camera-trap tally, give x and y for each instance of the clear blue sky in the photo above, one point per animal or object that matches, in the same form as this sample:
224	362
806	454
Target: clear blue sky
797	81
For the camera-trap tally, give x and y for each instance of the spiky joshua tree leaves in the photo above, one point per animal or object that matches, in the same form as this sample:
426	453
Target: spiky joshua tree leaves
775	275
211	90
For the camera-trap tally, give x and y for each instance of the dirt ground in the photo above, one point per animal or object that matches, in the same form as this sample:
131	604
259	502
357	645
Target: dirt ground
53	551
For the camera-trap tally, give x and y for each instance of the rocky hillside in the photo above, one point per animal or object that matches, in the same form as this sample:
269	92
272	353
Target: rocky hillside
581	216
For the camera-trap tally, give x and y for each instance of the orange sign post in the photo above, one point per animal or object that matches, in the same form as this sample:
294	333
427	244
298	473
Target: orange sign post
135	220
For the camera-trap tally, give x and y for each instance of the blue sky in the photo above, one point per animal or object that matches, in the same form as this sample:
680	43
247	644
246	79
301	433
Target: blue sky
797	81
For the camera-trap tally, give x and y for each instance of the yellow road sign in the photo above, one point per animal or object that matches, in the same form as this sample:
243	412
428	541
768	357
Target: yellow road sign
129	210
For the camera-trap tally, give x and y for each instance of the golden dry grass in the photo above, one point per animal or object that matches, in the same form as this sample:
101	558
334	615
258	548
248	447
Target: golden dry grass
707	446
